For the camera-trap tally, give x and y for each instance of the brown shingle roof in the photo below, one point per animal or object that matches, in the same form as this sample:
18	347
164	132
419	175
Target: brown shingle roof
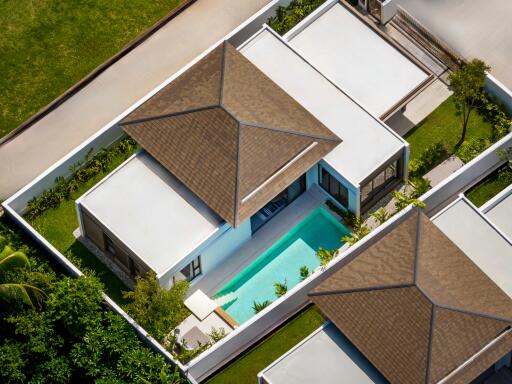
229	133
415	305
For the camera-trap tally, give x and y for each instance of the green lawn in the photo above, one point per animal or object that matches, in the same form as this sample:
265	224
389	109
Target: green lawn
490	187
48	45
57	226
442	125
245	369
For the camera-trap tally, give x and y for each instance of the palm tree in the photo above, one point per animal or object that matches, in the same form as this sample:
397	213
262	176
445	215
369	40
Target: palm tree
281	288
17	292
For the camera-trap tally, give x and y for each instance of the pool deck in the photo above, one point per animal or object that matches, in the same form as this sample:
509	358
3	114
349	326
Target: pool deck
279	226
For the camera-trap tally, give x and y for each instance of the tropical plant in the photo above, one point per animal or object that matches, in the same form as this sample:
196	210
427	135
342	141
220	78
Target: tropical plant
467	84
381	215
472	147
258	307
80	174
304	272
496	114
156	309
357	235
325	256
429	158
217	334
419	185
403	201
280	288
12	292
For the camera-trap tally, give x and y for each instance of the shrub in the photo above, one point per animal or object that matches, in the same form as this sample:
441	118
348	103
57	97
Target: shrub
325	256
281	288
304	272
403	201
80	174
258	307
287	17
494	113
420	186
471	148
156	309
357	235
430	157
381	215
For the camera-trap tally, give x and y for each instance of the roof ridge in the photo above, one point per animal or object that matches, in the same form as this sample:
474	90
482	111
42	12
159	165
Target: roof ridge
237	174
474	313
430	342
222	70
366	289
417	247
283	130
167	115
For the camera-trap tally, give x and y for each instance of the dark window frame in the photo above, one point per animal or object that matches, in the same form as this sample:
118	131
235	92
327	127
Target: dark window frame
335	188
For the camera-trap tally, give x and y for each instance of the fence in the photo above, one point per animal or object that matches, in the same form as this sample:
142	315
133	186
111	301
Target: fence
427	39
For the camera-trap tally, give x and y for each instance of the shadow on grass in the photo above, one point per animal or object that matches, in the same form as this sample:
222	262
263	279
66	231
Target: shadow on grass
113	285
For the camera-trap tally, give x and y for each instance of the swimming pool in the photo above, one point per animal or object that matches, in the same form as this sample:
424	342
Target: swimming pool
281	261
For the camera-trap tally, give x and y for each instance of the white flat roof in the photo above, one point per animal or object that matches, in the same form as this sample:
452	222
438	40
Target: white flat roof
151	212
356	58
326	356
366	142
499	211
479	240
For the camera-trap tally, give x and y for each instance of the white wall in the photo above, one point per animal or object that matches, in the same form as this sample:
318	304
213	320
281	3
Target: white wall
217	252
495	88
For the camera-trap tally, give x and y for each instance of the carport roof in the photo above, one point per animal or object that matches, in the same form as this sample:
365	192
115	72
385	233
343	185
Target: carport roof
230	134
415	305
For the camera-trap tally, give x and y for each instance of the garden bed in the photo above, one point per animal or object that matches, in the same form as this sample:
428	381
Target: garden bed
435	138
490	186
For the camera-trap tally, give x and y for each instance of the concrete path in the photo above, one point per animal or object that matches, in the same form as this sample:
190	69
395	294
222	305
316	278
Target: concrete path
419	107
116	89
443	170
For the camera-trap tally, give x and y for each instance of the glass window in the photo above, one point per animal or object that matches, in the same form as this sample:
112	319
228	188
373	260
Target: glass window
332	186
192	270
366	191
109	245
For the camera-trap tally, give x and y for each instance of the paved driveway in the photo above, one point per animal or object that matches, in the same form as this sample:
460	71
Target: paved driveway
121	85
474	28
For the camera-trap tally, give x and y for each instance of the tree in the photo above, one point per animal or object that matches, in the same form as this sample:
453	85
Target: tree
11	292
156	309
467	84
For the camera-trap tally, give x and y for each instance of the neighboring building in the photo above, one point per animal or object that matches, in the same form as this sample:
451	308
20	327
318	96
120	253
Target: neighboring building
416	306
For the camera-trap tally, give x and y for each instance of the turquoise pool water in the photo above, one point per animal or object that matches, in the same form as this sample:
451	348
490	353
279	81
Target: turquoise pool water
281	261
